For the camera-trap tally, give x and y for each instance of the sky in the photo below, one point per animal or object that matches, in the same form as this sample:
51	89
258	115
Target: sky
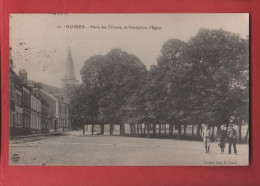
40	42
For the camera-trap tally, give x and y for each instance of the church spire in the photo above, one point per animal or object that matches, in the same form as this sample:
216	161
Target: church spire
69	82
70	70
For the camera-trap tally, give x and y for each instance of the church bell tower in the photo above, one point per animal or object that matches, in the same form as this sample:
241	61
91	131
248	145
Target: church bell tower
69	83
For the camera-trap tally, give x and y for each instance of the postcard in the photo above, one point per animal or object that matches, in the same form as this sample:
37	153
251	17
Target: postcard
129	89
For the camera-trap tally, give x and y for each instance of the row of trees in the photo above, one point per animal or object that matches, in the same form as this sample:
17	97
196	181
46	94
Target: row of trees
204	80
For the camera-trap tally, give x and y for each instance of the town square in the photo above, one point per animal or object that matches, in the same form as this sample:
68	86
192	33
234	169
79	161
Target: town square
128	93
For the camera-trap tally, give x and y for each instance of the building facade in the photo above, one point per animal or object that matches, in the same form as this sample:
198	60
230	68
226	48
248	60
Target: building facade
39	108
26	101
36	126
59	111
45	116
18	123
63	114
53	104
19	109
11	93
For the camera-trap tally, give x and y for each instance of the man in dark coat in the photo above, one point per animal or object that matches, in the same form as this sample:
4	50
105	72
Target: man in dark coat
222	135
232	139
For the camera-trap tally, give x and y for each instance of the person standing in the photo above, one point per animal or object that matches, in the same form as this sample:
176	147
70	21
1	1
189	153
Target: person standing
222	135
232	139
206	137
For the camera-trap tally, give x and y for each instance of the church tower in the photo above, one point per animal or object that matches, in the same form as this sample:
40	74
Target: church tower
69	83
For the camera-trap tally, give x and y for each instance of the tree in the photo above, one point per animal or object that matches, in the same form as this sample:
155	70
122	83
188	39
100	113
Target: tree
219	61
202	81
83	108
174	80
113	81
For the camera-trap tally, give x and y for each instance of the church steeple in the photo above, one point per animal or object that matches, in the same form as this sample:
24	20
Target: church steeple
70	70
69	82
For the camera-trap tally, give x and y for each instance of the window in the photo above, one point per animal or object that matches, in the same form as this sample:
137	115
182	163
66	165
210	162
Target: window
18	99
32	103
32	122
60	108
18	119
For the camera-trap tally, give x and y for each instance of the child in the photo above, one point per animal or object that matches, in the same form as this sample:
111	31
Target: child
206	138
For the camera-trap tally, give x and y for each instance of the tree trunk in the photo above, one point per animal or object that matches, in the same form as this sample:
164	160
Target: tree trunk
122	129
141	128
192	130
137	126
247	133
217	133
111	129
148	130
179	131
199	131
184	132
92	129
131	128
213	132
102	128
160	128
239	131
154	128
165	131
83	129
218	128
171	129
227	127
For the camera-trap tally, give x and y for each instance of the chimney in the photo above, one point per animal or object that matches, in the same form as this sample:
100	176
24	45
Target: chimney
11	65
23	76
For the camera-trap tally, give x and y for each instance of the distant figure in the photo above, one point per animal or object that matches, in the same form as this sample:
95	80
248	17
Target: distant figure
206	137
232	139
222	135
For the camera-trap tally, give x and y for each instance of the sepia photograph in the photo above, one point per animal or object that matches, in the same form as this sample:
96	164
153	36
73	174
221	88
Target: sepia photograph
129	89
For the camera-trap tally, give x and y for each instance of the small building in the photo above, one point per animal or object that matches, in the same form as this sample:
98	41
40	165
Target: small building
16	120
45	115
35	112
63	113
26	102
11	93
59	111
52	102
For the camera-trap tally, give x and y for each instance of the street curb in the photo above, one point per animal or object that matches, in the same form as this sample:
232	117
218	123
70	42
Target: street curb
36	135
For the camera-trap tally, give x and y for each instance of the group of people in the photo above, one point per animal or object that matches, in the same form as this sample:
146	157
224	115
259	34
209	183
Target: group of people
223	135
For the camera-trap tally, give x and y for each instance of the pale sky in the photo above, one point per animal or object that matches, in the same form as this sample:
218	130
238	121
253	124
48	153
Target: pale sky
41	48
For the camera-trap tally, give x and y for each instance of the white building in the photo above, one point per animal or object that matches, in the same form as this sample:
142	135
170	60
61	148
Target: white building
35	113
59	110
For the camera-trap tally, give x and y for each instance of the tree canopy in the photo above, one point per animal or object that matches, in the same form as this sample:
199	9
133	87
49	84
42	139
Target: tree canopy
112	83
203	80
